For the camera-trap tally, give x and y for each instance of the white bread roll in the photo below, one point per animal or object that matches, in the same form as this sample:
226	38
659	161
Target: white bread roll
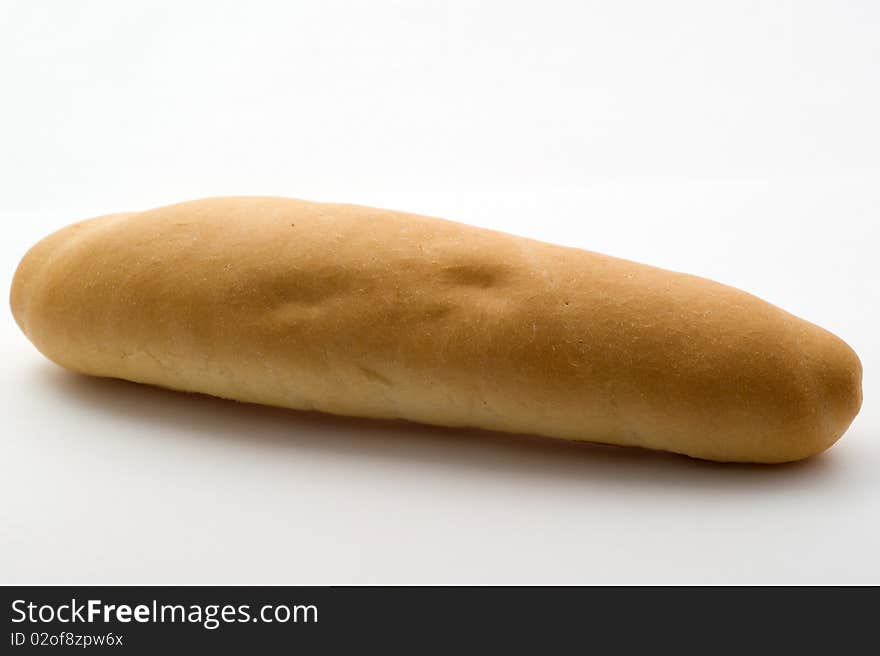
374	313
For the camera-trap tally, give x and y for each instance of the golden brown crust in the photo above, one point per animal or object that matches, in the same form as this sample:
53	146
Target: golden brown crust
369	312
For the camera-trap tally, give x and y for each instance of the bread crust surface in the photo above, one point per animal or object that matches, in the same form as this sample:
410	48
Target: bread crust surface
376	313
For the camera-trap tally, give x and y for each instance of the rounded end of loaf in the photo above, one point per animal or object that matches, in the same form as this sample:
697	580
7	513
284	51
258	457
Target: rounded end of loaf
27	274
815	403
836	373
40	271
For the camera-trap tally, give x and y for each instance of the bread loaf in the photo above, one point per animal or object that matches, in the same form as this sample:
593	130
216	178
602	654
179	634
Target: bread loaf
375	313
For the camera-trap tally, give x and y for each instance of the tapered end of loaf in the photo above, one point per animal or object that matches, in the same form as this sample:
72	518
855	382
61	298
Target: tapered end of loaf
837	374
813	402
41	268
26	276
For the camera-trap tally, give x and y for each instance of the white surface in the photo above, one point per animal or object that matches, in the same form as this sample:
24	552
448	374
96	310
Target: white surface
738	141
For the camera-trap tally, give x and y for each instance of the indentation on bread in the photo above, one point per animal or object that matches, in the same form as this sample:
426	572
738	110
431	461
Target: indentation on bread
473	275
162	364
374	376
309	288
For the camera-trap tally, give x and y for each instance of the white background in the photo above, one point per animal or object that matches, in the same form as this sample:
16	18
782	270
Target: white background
735	140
